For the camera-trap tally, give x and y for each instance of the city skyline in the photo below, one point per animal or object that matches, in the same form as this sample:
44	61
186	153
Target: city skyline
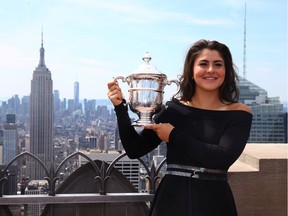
95	41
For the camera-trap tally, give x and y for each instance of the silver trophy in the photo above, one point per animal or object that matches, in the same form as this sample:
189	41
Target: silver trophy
146	88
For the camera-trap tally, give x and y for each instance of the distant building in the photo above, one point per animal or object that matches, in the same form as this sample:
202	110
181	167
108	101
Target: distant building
102	112
76	95
92	140
41	118
70	107
57	101
14	104
269	123
117	141
103	143
89	109
63	104
25	104
10	139
10	186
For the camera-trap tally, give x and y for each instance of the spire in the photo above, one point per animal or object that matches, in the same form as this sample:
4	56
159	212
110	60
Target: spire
42	37
42	51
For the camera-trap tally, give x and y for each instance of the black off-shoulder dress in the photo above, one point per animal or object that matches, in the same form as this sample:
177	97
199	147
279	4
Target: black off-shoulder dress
201	138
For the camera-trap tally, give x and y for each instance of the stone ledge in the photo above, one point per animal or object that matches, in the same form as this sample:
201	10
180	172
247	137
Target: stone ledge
255	154
258	180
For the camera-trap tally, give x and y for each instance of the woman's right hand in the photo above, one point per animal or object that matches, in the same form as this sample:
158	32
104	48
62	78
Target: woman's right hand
114	94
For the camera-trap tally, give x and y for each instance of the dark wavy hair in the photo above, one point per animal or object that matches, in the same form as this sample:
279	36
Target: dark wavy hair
228	91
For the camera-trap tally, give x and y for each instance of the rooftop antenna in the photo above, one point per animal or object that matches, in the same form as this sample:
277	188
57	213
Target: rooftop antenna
244	54
42	36
42	60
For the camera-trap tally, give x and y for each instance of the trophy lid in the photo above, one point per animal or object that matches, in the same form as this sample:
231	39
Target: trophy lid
146	67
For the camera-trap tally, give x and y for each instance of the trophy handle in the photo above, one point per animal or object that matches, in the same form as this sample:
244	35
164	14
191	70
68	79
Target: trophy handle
124	79
169	82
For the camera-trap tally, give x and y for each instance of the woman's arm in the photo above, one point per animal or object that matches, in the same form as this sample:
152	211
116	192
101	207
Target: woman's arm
135	145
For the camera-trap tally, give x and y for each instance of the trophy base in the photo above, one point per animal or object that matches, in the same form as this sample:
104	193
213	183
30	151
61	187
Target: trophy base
145	118
142	123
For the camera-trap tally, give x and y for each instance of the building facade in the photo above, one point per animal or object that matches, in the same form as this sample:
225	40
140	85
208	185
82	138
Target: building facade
269	124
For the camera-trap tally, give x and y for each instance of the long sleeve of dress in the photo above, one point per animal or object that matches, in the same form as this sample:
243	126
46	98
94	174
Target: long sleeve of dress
135	145
222	154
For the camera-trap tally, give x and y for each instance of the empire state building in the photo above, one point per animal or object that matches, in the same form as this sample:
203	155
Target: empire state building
41	118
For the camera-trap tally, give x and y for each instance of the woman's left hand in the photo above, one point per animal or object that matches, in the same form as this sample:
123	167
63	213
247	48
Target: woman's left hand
162	130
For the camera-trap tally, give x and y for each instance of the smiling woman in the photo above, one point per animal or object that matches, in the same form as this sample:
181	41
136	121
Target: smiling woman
205	130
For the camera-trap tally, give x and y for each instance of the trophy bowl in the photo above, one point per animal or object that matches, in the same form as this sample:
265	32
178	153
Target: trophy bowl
146	89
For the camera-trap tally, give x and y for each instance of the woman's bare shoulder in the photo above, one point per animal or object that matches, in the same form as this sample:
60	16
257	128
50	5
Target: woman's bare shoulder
240	106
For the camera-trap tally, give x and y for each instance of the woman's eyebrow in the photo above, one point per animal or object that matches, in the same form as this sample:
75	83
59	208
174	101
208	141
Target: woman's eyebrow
216	61
203	60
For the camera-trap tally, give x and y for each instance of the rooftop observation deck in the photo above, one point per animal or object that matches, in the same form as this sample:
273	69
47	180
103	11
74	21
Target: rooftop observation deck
258	180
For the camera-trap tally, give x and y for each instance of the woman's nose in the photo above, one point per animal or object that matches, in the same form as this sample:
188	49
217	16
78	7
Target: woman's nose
210	68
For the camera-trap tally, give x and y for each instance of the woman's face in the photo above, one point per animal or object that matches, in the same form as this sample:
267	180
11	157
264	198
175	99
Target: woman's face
209	70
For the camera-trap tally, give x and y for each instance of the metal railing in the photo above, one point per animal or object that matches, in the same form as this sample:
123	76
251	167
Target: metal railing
48	203
102	175
75	198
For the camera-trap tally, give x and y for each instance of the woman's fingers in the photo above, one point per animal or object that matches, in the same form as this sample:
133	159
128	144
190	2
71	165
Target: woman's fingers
110	84
114	93
154	127
151	127
162	130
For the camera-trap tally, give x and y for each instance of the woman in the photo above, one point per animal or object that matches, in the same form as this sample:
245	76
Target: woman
206	130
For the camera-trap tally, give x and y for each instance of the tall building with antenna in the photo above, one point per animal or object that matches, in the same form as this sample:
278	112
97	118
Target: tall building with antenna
41	117
269	123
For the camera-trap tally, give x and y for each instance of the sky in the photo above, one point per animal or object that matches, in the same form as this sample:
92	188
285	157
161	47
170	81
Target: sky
92	41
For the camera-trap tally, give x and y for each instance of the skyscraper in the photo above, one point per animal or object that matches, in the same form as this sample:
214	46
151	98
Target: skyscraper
10	140
41	117
269	123
76	95
57	101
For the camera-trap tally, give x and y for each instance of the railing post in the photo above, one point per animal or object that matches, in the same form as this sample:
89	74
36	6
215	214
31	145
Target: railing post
3	179
52	179
103	178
